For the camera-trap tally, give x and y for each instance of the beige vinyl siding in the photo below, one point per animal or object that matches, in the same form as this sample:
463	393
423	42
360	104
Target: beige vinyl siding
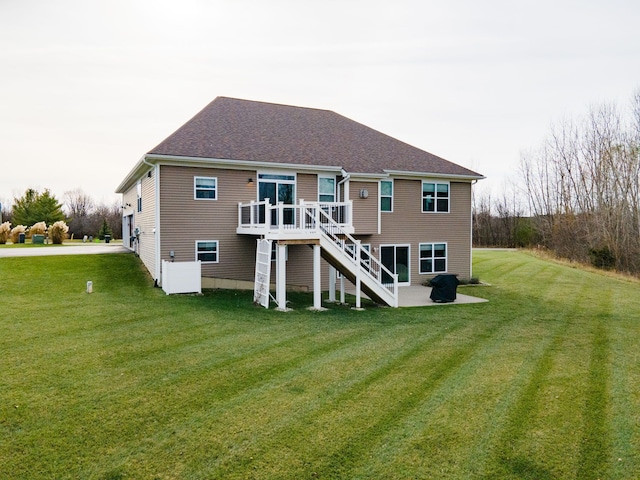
306	187
409	225
365	210
145	220
186	220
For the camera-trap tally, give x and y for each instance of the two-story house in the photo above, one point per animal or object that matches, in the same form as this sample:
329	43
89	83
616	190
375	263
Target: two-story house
316	193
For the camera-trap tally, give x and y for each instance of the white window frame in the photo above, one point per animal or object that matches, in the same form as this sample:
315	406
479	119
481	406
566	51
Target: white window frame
217	251
380	195
396	245
435	200
196	189
334	194
433	258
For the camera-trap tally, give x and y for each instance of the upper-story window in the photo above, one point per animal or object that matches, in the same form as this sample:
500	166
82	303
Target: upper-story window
139	195
326	189
435	196
205	188
386	196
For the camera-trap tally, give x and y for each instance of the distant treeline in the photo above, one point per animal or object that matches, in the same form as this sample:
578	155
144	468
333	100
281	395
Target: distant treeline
578	195
80	212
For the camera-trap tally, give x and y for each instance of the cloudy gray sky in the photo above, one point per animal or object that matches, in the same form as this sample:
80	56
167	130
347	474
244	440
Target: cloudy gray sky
88	86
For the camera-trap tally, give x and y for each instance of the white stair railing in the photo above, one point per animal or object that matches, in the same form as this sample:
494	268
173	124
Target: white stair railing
361	259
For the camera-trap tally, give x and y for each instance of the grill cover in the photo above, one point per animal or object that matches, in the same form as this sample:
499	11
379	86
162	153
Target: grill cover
443	288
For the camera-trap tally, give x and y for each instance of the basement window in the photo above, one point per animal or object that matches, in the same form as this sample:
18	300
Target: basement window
433	257
207	251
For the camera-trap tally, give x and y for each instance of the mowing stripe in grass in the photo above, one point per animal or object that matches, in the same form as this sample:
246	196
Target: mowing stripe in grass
624	371
509	454
510	414
431	390
342	452
594	448
253	409
373	367
421	440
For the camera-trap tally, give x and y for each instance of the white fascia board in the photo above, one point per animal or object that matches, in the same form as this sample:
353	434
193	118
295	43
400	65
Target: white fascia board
132	177
367	177
236	164
405	174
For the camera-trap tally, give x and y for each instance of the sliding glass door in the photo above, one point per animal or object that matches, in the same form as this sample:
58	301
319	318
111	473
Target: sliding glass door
396	259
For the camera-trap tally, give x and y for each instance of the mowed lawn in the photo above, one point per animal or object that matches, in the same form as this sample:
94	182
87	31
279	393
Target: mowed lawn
541	382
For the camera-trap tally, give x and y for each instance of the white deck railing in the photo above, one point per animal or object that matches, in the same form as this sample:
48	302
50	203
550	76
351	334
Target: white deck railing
262	218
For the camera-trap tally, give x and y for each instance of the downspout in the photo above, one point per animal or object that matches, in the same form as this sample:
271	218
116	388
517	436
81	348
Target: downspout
345	178
156	229
473	182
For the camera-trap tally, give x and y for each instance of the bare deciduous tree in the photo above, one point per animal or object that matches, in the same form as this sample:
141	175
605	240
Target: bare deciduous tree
583	187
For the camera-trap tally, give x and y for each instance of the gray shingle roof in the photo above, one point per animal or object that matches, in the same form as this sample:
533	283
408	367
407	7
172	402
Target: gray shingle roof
246	130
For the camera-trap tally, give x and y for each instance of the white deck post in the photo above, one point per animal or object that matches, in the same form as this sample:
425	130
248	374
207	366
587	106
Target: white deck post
267	215
358	268
281	277
317	279
332	284
300	214
342	294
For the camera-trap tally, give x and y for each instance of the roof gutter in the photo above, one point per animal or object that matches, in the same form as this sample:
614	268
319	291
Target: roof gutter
238	164
452	176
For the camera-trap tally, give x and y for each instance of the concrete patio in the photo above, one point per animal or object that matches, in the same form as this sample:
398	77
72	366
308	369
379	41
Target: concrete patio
418	296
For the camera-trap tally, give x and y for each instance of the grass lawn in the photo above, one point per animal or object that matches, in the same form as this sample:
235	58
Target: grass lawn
542	382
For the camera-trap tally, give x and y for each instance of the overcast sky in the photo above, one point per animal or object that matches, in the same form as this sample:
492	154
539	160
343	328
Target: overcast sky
87	87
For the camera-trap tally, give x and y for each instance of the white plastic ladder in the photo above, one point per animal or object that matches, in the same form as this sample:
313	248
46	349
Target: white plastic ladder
263	273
